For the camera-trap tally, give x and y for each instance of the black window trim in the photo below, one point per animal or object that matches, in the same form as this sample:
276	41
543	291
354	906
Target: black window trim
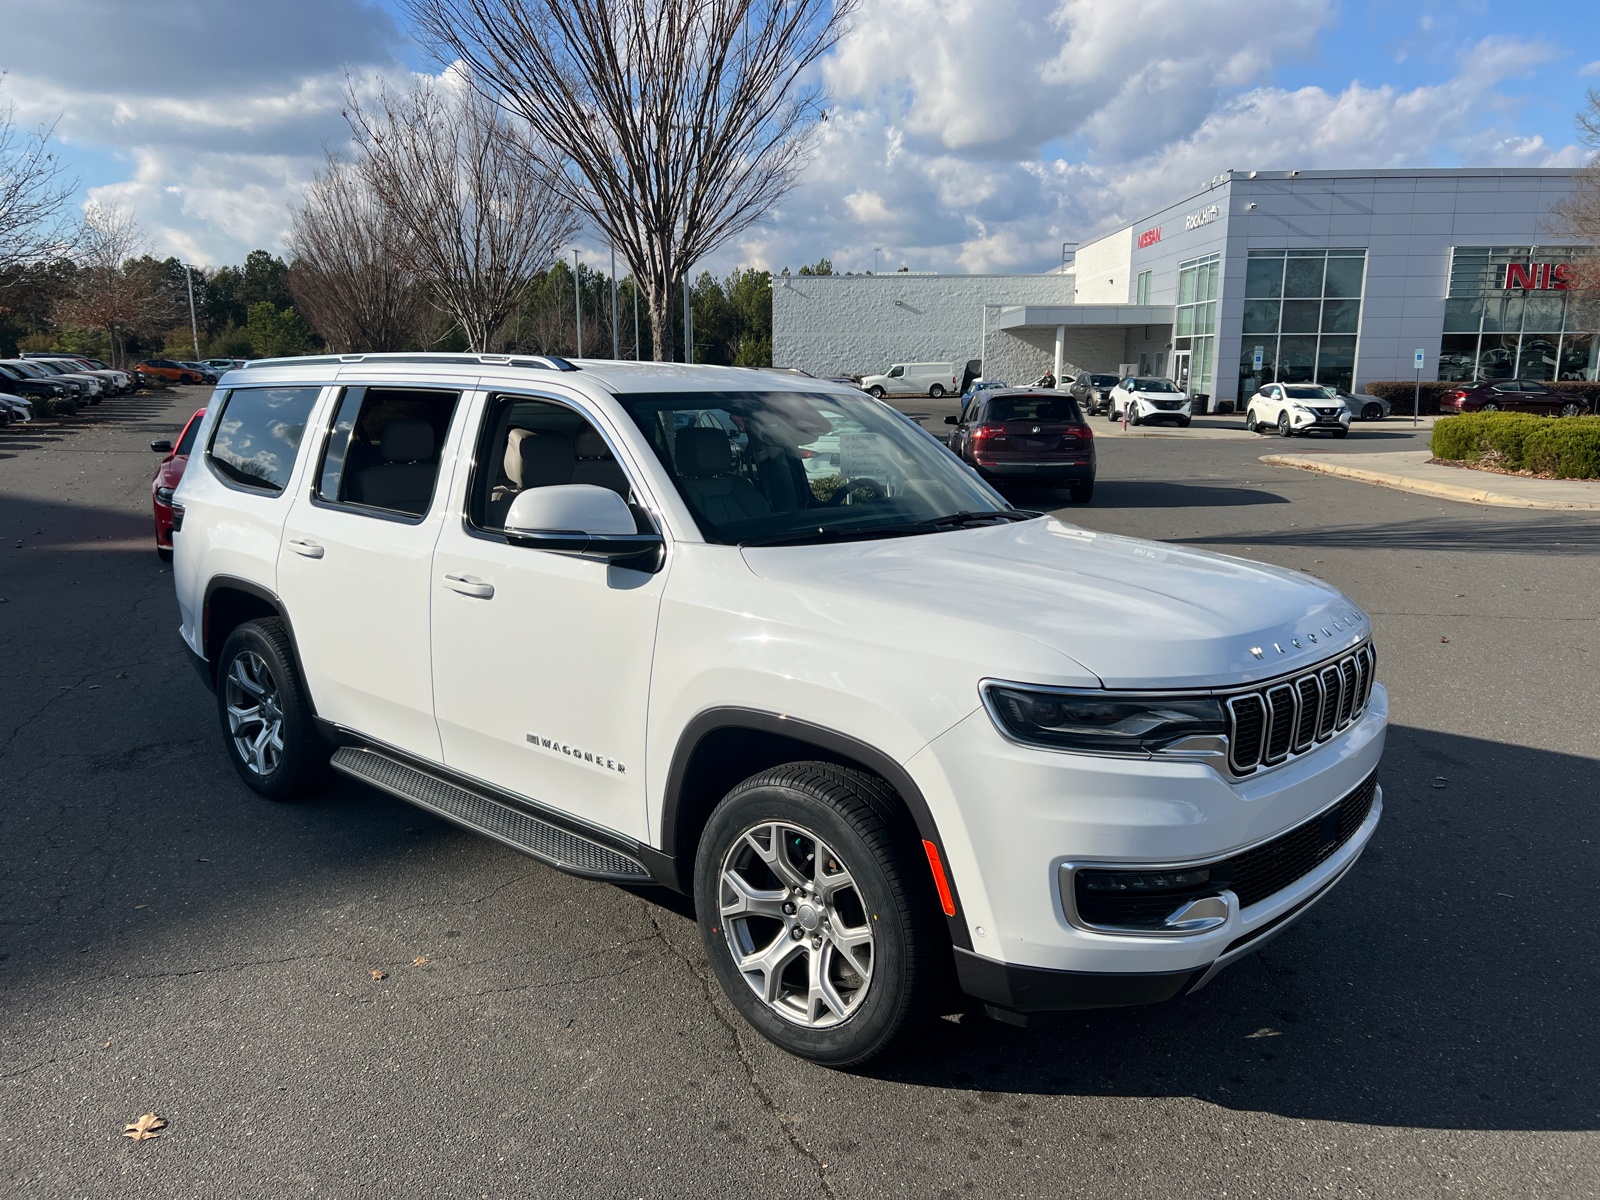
314	480
226	395
490	396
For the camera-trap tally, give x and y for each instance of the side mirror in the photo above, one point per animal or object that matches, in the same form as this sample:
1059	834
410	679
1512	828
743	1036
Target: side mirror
952	420
162	447
577	518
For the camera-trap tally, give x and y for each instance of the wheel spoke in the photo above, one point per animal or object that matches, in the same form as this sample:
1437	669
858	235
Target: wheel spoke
850	943
821	992
770	963
772	854
748	901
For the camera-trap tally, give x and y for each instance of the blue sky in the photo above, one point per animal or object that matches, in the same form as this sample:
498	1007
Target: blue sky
965	135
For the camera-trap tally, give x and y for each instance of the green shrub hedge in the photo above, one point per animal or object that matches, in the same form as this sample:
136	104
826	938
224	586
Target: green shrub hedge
1567	448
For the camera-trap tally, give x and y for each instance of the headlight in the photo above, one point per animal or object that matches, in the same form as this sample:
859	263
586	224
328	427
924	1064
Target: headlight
1128	722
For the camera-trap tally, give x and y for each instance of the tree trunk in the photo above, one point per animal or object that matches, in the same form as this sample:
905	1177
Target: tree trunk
662	294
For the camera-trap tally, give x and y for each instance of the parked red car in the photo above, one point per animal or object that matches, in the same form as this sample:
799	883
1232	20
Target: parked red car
166	482
1022	436
1513	395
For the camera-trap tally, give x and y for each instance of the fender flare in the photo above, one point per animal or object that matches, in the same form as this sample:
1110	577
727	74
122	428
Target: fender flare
830	740
266	596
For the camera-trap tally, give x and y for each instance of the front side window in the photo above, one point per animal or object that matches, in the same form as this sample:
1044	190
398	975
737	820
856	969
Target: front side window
258	435
385	448
767	467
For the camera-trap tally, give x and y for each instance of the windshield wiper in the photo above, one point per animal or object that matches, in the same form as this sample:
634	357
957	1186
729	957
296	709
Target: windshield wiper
999	514
837	533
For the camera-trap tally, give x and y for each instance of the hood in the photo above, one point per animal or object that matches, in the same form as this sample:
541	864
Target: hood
1136	614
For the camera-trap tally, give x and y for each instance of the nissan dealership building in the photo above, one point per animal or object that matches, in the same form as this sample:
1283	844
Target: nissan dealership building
1336	277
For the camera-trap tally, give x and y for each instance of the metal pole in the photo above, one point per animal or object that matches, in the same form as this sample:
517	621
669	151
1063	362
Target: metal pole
635	278
577	302
194	328
615	352
688	323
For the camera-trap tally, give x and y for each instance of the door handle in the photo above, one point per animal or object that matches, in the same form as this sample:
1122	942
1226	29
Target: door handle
305	546
468	586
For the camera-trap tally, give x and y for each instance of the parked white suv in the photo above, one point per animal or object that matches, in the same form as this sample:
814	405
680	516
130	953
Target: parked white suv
914	379
1291	409
1147	400
883	731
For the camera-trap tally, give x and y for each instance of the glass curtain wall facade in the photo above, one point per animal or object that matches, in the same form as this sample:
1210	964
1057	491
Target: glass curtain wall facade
1302	312
1495	332
1195	327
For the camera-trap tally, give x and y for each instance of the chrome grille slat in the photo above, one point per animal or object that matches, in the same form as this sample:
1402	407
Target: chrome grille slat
1271	723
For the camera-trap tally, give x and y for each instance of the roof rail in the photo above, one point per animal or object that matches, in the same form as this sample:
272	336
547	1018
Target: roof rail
545	362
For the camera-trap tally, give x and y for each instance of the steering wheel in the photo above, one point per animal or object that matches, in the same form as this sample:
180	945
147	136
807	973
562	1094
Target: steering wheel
853	485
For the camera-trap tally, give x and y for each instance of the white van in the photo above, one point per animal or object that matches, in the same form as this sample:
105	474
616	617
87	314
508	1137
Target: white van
915	379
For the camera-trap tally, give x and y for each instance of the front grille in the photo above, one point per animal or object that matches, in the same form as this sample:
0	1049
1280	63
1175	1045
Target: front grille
1168	405
1276	722
1253	875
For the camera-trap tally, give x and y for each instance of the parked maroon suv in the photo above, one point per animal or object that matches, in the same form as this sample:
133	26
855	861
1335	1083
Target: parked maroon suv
1019	435
1514	395
166	481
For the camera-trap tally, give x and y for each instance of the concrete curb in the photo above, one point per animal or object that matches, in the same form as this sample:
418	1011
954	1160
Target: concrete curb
1423	486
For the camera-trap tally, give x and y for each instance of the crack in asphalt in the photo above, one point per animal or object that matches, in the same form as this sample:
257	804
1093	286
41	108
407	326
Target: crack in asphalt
783	1120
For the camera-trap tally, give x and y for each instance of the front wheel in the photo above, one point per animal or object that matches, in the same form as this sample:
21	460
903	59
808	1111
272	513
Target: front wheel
1341	433
1133	416
875	392
1183	422
265	713
1284	428
1372	412
817	913
1571	409
936	392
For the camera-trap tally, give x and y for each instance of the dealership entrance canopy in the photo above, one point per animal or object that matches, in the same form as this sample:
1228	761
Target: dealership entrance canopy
1335	277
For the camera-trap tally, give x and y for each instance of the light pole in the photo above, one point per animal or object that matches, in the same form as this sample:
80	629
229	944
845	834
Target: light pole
688	322
875	250
194	327
634	275
615	352
577	302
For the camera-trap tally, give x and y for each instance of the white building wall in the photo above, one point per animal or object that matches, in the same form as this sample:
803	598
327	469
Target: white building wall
1018	357
860	324
1104	269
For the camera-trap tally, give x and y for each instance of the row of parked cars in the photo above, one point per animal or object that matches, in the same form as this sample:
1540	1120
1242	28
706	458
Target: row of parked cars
39	375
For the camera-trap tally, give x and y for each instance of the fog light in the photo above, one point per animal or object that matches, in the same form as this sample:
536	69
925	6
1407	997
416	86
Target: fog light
1144	882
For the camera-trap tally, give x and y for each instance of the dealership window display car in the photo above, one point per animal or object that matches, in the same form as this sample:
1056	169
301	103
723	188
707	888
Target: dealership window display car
1297	409
1145	400
882	731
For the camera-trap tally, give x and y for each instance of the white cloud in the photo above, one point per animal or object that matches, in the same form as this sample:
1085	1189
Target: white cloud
1592	69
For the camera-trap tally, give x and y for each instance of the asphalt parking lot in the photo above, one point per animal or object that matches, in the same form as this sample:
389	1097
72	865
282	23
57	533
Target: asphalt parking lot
172	943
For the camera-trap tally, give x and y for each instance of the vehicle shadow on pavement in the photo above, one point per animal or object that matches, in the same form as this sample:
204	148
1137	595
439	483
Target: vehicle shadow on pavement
1551	531
1449	982
1144	493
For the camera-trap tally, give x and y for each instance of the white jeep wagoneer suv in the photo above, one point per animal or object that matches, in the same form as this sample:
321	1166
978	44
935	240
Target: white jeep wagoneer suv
885	729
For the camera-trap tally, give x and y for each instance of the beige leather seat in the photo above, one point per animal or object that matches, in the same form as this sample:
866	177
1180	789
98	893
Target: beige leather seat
532	459
705	472
596	464
403	480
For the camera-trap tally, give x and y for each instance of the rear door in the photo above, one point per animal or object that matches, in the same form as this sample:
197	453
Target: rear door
357	555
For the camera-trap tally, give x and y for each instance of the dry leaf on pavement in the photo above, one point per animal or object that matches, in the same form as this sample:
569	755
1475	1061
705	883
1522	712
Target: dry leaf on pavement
144	1128
419	961
377	974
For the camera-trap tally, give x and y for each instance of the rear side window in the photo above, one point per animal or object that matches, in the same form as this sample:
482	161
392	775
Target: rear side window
258	435
385	449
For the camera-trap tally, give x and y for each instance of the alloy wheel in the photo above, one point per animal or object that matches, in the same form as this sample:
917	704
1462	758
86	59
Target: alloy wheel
796	924
1372	412
1571	409
255	718
1284	429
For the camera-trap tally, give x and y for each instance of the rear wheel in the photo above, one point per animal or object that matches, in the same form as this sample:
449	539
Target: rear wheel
1082	492
817	913
164	553
1488	406
1372	412
265	713
936	392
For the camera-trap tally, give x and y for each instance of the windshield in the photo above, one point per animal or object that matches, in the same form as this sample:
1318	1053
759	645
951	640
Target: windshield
1034	408
1105	381
764	467
1152	385
1309	393
28	370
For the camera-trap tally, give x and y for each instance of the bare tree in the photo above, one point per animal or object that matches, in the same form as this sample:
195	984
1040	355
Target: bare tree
111	290
345	272
460	179
1576	217
33	195
678	123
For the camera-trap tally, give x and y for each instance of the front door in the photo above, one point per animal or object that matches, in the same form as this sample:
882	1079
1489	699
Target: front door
1180	369
355	561
542	660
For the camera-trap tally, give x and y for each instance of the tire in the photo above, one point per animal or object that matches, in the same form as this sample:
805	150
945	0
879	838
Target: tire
1284	428
188	379
164	553
1491	406
888	909
875	392
936	392
1082	493
257	656
1372	412
1183	422
1111	413
1572	409
1133	416
1341	433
